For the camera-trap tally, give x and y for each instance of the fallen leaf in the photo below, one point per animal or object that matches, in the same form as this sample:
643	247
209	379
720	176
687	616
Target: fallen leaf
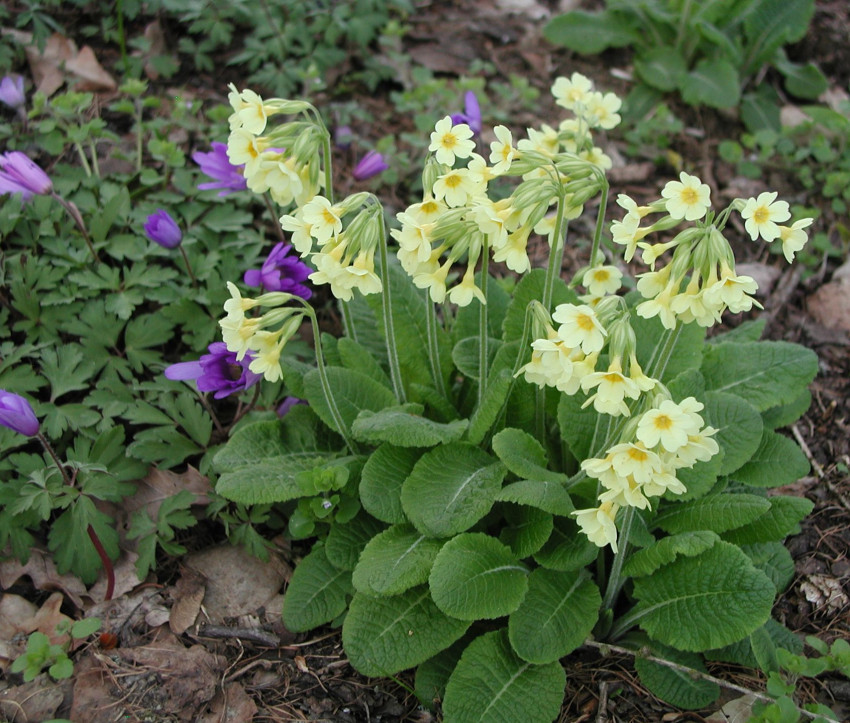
126	579
763	274
37	700
188	594
739	710
825	593
13	611
48	618
46	66
160	484
90	73
155	46
44	575
231	705
237	583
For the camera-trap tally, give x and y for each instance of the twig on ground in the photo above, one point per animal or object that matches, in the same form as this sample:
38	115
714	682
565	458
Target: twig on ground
250	634
816	466
606	648
601	714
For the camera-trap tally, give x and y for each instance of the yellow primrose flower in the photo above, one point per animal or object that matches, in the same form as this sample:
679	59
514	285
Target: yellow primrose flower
793	237
455	188
627	492
236	305
236	332
602	280
762	214
245	148
602	110
627	233
630	459
660	305
466	290
363	276
699	448
662	482
449	142
249	112
267	346
434	280
598	524
733	291
573	91
502	151
325	220
612	388
687	198
580	327
667	425
597	157
301	237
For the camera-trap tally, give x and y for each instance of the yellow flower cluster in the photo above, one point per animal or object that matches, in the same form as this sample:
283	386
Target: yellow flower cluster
242	333
282	161
666	438
457	219
346	256
700	282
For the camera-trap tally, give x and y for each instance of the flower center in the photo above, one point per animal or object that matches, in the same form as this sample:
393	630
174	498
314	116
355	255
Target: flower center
689	196
584	322
453	181
662	421
449	140
761	215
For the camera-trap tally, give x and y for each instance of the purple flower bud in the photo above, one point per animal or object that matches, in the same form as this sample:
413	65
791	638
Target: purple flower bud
217	166
281	271
163	230
471	113
12	91
21	175
343	136
370	165
16	414
288	404
217	371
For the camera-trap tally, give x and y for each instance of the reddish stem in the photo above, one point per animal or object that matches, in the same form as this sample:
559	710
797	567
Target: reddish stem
107	563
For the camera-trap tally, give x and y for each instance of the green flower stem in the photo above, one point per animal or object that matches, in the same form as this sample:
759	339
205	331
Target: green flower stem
433	345
556	255
600	221
615	581
122	38
95	540
276	221
84	162
94	163
348	320
74	213
657	365
387	309
189	267
483	331
323	377
139	135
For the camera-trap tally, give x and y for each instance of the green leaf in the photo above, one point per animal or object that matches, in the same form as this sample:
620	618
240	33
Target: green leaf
381	480
716	513
523	455
776	524
272	479
475	576
661	67
358	358
434	673
526	529
777	461
787	414
582	429
499	386
404	427
71	545
766	373
567	548
742	652
85	627
589	33
676	686
772	24
545	495
491	683
739	428
719	593
652	337
384	635
760	111
395	561
557	614
67	369
61	669
750	330
352	392
712	82
100	223
317	592
450	488
345	541
465	355
645	562
774	560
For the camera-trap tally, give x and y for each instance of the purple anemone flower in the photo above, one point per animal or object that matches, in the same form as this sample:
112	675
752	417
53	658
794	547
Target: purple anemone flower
281	271
217	166
21	175
343	136
370	165
471	113
217	371
12	91
163	230
17	414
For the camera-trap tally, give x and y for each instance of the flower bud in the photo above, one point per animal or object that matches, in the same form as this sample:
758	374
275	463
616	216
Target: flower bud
17	414
163	230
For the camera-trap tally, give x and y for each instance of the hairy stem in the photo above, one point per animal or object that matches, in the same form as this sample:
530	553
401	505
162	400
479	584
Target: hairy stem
433	345
387	309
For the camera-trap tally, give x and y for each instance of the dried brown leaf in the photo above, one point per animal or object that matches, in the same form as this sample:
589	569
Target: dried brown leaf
44	575
90	73
188	594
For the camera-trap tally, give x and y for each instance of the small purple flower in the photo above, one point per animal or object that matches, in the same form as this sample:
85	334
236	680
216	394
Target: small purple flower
343	136
12	91
288	404
471	113
370	165
16	414
217	166
217	371
21	175
163	230
281	271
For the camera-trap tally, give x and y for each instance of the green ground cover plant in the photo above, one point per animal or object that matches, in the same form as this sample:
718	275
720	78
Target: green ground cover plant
712	53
